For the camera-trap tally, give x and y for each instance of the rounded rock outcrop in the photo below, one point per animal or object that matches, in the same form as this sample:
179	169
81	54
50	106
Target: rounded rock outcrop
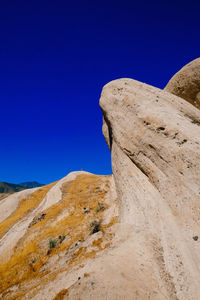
186	83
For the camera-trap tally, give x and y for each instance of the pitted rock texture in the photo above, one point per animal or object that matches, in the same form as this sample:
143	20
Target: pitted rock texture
154	137
186	83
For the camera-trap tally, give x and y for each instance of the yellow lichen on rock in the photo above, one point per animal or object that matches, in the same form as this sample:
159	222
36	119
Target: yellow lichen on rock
61	294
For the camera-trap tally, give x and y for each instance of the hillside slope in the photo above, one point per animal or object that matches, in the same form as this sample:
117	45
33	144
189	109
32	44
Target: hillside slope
9	188
52	232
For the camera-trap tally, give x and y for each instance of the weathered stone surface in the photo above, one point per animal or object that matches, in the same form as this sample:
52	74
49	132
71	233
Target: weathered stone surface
186	83
154	138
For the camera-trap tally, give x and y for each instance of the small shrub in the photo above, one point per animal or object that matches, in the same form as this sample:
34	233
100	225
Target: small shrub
52	244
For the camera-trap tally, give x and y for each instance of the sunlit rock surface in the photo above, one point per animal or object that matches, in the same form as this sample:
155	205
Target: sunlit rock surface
154	137
186	83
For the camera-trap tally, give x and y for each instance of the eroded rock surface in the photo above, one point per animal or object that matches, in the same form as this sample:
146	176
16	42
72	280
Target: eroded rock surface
186	83
154	138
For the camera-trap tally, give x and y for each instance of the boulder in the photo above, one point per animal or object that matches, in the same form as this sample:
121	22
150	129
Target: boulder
186	83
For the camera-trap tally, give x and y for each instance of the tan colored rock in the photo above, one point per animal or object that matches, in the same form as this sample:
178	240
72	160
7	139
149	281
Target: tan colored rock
186	83
154	138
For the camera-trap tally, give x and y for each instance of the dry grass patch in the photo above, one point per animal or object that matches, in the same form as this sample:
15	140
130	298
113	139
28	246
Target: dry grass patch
34	251
25	206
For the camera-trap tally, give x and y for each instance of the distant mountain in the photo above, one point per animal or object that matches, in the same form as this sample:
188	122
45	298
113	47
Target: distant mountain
9	188
30	184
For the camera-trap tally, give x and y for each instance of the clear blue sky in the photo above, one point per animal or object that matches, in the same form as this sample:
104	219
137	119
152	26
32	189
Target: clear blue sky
55	57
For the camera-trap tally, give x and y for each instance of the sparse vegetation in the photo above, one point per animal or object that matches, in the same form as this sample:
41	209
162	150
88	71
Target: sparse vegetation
51	232
26	205
52	243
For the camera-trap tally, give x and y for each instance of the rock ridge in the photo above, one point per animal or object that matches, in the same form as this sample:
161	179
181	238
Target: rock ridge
154	140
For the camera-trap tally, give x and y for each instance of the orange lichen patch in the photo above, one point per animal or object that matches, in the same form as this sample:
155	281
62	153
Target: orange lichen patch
61	294
97	243
31	260
24	207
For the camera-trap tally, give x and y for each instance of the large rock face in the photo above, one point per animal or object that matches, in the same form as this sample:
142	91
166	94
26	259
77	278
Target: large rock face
186	83
154	138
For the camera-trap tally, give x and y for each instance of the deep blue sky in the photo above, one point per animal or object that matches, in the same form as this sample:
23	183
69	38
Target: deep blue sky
55	57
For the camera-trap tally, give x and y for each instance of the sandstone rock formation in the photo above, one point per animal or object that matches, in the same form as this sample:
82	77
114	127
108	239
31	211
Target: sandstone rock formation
186	83
154	138
133	235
